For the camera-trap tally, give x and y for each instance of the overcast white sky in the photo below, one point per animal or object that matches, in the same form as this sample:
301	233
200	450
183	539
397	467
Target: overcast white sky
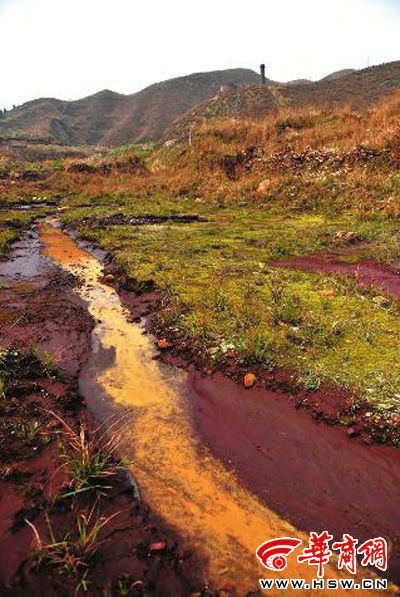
71	48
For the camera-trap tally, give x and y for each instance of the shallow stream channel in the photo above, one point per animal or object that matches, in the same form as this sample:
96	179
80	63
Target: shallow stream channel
225	468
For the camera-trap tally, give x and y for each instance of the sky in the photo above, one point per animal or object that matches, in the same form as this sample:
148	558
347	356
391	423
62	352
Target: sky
72	48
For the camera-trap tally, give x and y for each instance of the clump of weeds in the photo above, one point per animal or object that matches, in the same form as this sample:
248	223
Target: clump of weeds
89	458
72	551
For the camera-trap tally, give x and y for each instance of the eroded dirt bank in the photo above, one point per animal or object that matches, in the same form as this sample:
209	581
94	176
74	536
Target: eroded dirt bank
40	310
181	477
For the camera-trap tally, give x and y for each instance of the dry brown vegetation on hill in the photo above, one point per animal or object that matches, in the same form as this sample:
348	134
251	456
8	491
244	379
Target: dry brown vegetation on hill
113	119
302	156
357	89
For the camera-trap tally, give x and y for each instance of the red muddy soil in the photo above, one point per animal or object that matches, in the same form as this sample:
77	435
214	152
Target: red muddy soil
368	273
317	476
308	472
139	555
331	404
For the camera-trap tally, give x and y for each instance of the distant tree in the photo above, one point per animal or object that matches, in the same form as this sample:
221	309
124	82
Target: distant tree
14	106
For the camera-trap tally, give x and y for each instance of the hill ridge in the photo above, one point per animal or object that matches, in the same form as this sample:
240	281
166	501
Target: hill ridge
111	118
356	89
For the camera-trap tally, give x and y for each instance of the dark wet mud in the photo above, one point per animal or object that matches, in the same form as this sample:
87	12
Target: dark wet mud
40	308
308	472
25	260
120	219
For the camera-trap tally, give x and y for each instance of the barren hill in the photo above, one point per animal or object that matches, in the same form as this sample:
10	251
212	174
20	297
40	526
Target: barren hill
357	88
110	118
338	74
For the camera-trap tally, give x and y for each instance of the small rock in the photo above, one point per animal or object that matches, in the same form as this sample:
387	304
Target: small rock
249	380
328	293
264	187
164	343
109	278
381	301
157	546
351	432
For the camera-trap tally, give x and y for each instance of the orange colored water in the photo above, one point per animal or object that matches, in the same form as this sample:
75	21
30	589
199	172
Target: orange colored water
178	478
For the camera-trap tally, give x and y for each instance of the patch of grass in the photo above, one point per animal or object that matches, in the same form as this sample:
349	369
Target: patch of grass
48	362
90	459
302	181
124	585
16	365
12	223
7	237
220	291
72	551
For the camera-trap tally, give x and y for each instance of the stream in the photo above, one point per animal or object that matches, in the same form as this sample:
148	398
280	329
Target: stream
225	468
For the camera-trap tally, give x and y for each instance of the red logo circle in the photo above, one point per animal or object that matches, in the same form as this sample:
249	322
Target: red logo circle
279	563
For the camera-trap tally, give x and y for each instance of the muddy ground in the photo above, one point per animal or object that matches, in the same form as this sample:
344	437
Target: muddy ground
367	272
287	445
332	404
313	475
308	472
137	555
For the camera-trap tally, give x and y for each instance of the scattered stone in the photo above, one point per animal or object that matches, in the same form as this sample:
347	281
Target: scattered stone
249	380
328	293
82	167
381	301
265	187
157	546
348	236
164	344
109	279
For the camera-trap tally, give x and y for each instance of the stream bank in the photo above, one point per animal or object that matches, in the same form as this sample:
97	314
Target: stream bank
43	320
177	451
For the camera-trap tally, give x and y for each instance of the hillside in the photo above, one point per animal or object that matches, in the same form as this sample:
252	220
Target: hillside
338	74
357	89
110	118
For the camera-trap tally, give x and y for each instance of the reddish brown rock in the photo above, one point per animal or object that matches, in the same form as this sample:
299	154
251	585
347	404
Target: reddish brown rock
249	380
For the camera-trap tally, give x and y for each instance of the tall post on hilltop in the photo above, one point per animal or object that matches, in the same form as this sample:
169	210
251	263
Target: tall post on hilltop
262	71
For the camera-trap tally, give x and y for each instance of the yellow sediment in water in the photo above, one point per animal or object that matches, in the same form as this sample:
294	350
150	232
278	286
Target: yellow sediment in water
184	484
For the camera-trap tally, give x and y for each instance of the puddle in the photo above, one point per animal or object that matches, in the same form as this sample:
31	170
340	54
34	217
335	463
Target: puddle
25	260
30	206
178	476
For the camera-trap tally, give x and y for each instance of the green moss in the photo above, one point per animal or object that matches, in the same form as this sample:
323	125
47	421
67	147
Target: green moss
7	237
13	222
221	292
